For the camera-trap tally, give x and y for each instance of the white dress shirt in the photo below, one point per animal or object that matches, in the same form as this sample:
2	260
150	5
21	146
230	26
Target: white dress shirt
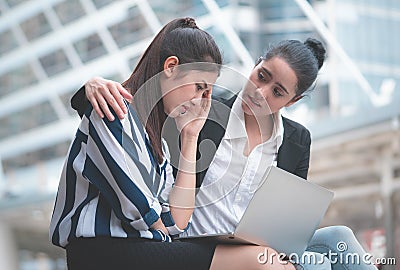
233	177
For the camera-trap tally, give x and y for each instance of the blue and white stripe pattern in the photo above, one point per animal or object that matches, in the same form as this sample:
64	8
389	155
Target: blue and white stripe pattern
111	185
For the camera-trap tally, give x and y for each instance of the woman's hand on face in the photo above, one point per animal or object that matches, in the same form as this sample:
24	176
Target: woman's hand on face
192	121
102	93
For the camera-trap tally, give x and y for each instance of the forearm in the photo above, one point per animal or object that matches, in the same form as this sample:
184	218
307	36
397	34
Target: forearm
182	196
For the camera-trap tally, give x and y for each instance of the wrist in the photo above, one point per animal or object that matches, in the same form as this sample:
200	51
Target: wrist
187	159
189	138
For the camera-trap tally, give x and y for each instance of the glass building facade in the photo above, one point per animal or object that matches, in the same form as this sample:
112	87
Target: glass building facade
49	48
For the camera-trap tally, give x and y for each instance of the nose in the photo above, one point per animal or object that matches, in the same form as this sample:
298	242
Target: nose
262	93
258	91
195	101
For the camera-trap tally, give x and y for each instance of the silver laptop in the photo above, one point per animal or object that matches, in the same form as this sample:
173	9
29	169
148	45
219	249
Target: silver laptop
283	214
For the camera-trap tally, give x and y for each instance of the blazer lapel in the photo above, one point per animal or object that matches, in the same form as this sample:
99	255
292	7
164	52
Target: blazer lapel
291	151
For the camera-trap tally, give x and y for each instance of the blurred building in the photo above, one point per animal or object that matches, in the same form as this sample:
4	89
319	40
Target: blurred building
49	48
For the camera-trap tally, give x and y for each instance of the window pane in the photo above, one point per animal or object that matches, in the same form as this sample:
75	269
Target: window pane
101	3
280	9
69	11
116	77
133	62
55	62
90	48
15	79
222	3
7	42
223	43
28	159
192	8
32	117
13	3
36	27
130	30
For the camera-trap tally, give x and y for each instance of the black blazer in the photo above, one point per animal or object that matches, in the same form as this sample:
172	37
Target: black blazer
293	155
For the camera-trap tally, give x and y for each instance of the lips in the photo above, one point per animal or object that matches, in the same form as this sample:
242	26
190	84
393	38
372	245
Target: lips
254	101
183	109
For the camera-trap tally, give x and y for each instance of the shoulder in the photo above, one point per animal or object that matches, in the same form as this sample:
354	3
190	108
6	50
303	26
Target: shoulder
129	126
293	124
293	128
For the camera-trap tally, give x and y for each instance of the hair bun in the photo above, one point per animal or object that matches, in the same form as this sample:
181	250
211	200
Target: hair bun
189	22
317	48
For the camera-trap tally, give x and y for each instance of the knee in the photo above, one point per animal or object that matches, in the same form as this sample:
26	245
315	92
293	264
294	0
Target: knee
338	233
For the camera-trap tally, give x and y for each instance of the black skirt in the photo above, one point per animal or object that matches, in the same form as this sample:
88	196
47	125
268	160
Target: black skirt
127	253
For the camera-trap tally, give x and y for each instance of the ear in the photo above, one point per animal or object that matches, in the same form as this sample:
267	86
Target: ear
169	65
293	101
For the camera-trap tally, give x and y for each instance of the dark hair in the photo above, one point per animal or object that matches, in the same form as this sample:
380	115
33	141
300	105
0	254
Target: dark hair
304	58
181	38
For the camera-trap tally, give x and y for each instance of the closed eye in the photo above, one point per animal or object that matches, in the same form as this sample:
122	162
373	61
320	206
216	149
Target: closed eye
199	87
205	94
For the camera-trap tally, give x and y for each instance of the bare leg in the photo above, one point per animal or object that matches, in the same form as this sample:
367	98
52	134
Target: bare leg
247	257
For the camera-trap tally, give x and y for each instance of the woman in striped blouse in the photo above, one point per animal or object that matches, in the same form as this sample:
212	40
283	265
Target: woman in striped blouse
118	203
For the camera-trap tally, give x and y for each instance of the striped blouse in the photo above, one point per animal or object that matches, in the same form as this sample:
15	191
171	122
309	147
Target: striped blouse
111	185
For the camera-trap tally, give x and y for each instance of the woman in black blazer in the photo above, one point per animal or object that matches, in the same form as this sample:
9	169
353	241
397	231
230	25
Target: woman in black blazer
305	60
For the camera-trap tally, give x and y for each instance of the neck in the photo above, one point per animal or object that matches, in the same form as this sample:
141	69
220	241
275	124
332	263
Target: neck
258	129
263	126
